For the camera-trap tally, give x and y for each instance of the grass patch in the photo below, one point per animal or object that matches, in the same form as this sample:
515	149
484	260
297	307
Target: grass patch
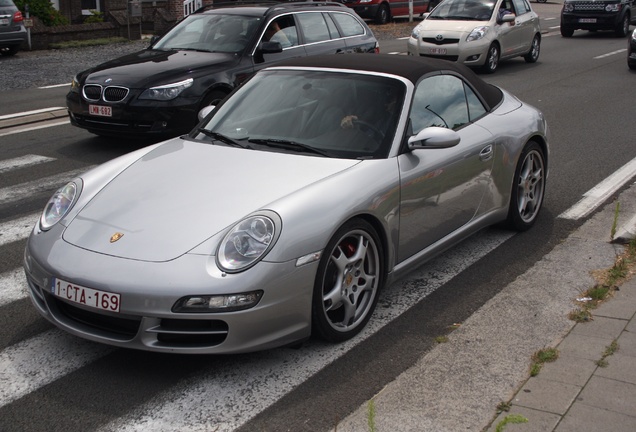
441	339
88	43
609	350
542	356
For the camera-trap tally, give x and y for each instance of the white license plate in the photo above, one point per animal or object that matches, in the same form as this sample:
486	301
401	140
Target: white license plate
440	51
4	21
587	20
86	296
100	110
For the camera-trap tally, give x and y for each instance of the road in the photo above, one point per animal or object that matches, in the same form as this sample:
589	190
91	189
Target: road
54	382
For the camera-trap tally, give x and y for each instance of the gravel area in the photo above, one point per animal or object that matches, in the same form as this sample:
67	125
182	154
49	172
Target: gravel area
29	69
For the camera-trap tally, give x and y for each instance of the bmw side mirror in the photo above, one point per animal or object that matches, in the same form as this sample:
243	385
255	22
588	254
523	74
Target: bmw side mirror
434	137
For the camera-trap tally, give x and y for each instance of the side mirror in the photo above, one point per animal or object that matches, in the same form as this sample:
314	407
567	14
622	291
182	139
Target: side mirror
205	111
507	18
434	137
153	40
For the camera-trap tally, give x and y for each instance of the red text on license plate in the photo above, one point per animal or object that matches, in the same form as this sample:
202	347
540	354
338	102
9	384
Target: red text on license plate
86	296
438	51
100	110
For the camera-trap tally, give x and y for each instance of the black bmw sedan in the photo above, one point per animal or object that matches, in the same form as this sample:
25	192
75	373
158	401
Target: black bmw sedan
157	92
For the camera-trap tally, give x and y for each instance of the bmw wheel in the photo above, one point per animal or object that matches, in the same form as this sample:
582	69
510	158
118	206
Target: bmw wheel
528	188
492	59
535	49
348	282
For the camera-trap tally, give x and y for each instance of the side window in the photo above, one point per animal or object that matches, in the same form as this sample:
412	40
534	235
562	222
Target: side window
333	29
475	107
521	6
439	101
313	27
349	25
282	30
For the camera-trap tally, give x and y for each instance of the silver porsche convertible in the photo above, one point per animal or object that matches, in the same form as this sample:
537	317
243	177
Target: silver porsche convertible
288	208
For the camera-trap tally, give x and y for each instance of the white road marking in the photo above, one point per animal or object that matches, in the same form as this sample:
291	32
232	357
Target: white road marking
17	192
232	392
32	128
22	162
596	196
26	113
620	51
35	362
17	229
12	286
55	85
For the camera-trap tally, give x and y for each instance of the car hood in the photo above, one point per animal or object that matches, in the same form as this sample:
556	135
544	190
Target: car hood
152	67
183	192
449	27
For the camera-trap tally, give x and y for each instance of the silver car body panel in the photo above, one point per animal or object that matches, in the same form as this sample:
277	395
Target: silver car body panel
468	186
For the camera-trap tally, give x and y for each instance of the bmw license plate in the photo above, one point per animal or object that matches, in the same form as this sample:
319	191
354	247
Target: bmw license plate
439	51
100	110
86	296
587	20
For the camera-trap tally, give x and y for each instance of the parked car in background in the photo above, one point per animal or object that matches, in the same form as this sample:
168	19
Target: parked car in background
288	208
478	33
631	51
382	11
613	15
159	91
12	31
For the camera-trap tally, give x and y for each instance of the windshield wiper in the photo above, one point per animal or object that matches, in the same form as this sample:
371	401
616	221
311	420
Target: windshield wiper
224	139
290	145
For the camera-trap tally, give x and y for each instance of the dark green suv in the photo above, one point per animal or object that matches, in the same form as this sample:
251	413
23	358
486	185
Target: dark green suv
614	15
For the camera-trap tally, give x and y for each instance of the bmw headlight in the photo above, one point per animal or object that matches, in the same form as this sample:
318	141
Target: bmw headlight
59	205
477	33
246	243
75	85
166	92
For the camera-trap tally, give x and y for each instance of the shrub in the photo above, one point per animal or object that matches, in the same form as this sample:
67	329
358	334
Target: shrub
44	10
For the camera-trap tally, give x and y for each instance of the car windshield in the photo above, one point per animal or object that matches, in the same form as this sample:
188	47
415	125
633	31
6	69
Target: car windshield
464	10
211	33
332	114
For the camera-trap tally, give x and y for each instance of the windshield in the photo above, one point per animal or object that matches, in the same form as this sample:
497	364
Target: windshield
464	10
332	114
213	33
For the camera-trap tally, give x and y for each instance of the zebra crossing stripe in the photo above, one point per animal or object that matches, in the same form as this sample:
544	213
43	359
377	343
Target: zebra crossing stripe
12	286
17	229
38	361
52	183
23	162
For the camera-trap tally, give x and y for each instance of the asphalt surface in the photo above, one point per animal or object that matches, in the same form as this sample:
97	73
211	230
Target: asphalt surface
486	361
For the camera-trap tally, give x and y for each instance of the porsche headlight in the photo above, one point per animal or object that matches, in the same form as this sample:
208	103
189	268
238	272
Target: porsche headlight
477	33
59	205
166	92
246	243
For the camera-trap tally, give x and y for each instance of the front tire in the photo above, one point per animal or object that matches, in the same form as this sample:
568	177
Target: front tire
535	50
348	282
492	59
623	27
528	188
567	32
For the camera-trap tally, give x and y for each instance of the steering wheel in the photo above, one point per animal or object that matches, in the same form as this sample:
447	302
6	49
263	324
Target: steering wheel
365	127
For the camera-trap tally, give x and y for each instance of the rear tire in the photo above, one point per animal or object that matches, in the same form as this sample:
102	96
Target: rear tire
9	51
528	188
383	15
535	50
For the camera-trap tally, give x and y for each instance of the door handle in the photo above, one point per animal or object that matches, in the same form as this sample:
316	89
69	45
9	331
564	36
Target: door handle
486	153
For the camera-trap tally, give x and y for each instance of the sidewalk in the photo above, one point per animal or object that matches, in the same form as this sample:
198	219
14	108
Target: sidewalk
458	385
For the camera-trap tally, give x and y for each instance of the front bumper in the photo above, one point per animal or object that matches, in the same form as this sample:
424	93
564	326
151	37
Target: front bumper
591	21
149	290
134	117
458	50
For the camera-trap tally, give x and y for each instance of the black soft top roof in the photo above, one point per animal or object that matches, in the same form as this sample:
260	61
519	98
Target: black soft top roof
409	67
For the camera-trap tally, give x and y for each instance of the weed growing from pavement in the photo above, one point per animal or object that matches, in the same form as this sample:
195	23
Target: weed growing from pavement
441	339
542	356
609	350
512	419
371	415
615	222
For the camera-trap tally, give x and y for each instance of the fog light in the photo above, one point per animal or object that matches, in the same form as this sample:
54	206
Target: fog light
217	303
473	57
